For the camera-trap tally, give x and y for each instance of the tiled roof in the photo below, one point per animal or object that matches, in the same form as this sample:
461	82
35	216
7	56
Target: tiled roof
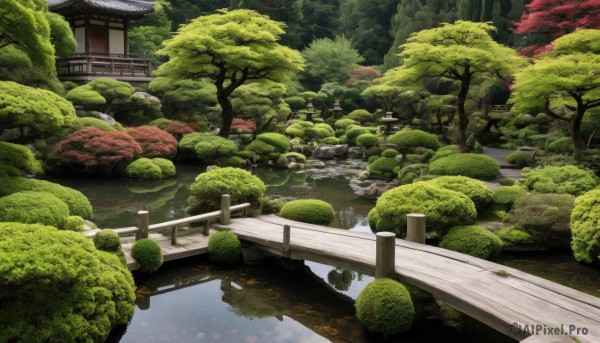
115	6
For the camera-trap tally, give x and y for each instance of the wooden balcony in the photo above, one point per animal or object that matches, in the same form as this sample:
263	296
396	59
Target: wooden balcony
89	67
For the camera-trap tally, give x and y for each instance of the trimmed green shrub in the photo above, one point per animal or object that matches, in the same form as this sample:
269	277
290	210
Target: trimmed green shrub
241	185
167	168
300	158
311	211
372	159
444	151
353	132
585	227
231	161
74	223
260	147
476	190
280	142
512	236
85	96
362	116
563	145
205	146
472	240
566	179
331	140
444	208
34	208
519	158
411	172
343	123
374	151
224	247
382	166
390	153
406	139
475	166
542	213
143	168
148	254
384	306
16	160
506	195
107	240
367	140
61	287
94	122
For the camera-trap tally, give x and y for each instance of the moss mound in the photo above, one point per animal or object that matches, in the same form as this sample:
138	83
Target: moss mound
148	254
385	307
167	168
585	227
311	211
382	166
241	185
566	179
143	168
444	208
34	208
224	247
367	140
94	122
413	139
475	166
472	240
74	223
476	190
72	291
107	240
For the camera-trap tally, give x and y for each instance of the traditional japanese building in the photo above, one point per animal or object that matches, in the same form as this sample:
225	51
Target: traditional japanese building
100	28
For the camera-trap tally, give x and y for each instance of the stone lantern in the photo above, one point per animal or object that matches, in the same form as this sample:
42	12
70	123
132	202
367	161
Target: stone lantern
389	121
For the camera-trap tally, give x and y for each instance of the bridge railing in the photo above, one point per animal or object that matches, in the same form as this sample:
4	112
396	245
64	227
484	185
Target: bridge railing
223	215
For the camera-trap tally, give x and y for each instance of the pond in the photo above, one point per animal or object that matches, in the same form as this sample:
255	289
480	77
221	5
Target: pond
196	301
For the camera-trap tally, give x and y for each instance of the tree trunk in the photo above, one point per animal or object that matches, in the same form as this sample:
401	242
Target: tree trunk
226	114
578	141
463	119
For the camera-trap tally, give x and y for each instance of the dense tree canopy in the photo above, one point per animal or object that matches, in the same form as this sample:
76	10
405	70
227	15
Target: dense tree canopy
330	60
230	48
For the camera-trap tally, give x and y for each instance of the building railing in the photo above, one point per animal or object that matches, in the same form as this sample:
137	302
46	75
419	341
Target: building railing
102	65
498	108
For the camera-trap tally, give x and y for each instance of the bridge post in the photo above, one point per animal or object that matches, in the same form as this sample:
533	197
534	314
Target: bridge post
286	238
415	228
143	223
385	255
225	210
205	227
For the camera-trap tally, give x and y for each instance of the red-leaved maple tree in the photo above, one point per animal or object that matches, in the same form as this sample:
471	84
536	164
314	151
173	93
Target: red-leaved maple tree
243	126
551	19
155	142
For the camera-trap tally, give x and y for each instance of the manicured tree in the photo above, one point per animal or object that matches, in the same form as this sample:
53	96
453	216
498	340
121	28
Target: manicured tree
57	287
230	48
330	60
547	20
262	101
154	141
585	227
184	96
34	112
563	83
459	52
97	151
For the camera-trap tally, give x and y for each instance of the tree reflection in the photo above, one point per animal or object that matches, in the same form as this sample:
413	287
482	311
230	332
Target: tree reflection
246	304
340	279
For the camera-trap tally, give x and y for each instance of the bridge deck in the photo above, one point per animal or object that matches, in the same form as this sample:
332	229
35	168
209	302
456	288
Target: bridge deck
469	284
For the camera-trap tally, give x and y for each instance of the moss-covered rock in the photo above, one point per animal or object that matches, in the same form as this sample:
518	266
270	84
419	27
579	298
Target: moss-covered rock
61	287
566	179
34	208
472	240
107	240
148	254
384	306
300	158
585	227
224	247
331	140
476	190
407	139
444	208
208	188
475	166
311	211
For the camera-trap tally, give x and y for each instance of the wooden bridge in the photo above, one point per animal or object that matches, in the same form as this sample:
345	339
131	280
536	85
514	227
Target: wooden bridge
519	305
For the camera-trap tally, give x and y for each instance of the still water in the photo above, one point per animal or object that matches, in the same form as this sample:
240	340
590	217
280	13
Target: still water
194	301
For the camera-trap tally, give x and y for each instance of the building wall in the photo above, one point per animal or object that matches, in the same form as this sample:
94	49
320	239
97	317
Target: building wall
80	38
116	39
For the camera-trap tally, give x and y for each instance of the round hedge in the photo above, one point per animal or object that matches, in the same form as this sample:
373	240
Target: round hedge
475	166
148	254
472	240
444	208
280	142
508	194
208	188
143	168
72	291
205	146
382	166
311	211
107	240
566	179
413	139
362	116
384	306
444	151
167	168
367	140
585	227
224	247
342	124
476	190
17	159
34	208
94	122
74	223
519	158
390	153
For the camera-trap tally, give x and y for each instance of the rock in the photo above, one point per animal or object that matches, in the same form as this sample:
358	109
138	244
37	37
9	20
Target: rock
315	164
356	152
341	149
372	189
294	165
282	162
209	168
325	151
364	175
10	135
147	97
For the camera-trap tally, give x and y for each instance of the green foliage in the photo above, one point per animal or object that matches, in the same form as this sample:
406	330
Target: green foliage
407	139
167	168
36	112
85	96
148	254
384	306
179	98
443	208
563	145
94	122
566	179
475	166
331	140
472	240
382	166
150	169
444	151
352	133
512	236
146	35
362	116
506	195
241	185
260	147
411	172
34	208
390	153
342	124
61	35
280	142
367	140
300	158
74	223
16	160
206	146
73	292
585	227
542	212
107	240
308	211
224	247
519	158
330	60
476	190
